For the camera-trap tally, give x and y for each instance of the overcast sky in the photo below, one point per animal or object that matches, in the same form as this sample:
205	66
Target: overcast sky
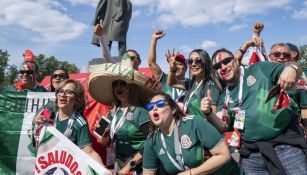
63	28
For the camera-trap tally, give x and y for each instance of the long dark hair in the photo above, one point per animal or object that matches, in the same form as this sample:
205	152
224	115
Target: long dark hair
178	115
208	72
52	89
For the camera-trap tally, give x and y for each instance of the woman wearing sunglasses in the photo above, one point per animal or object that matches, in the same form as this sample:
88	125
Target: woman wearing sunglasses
202	80
57	77
177	142
67	117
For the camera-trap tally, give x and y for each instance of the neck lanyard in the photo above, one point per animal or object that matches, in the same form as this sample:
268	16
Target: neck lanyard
115	127
175	91
227	97
179	164
70	122
185	106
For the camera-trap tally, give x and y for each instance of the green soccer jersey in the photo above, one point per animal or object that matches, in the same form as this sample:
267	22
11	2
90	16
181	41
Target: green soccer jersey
193	104
80	131
195	134
129	138
303	99
173	92
37	88
260	124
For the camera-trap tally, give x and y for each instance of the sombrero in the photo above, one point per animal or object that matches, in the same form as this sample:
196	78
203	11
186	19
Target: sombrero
100	80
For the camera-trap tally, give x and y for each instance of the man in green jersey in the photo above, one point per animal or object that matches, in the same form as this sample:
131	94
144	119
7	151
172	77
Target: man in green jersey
268	140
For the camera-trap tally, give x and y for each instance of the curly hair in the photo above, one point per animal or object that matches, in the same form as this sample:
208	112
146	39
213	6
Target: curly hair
79	91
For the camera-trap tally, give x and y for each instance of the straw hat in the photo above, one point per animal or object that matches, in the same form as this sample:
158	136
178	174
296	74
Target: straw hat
100	81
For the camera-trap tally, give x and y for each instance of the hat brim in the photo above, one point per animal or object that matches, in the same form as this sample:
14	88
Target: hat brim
100	82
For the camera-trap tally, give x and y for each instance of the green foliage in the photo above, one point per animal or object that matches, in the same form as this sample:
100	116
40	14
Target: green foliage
49	64
8	72
303	55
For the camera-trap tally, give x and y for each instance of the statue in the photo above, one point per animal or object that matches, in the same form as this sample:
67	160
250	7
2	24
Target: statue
116	15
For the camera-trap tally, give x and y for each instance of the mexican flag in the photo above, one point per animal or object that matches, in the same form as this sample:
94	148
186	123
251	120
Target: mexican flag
17	110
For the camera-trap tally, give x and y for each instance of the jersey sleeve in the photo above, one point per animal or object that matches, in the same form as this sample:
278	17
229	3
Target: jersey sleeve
150	159
271	70
207	134
83	136
143	116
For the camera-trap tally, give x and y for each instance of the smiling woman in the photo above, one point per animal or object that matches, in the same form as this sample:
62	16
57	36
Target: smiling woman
67	117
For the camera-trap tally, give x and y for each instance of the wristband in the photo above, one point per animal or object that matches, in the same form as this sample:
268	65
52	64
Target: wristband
296	67
242	51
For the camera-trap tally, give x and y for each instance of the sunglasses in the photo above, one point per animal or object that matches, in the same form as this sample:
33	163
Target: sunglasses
278	55
225	61
159	104
66	92
132	58
61	76
28	72
197	60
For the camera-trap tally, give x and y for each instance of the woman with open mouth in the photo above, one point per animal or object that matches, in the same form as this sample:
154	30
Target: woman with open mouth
177	142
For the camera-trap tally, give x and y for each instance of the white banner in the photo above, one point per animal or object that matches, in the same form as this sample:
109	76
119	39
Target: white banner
58	155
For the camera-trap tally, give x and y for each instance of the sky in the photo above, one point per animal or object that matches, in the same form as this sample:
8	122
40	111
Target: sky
62	28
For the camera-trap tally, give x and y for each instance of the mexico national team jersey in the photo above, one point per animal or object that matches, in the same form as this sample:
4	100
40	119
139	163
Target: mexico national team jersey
80	131
173	92
192	103
195	134
260	123
129	138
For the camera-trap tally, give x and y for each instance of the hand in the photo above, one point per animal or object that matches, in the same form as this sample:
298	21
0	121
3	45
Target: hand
98	29
158	34
125	170
171	58
206	103
186	172
40	119
287	78
257	29
256	41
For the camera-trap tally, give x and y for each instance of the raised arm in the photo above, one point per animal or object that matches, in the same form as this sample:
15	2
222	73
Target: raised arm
154	67
255	41
103	40
171	78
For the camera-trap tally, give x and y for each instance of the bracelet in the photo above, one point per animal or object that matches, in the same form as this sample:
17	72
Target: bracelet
242	51
296	67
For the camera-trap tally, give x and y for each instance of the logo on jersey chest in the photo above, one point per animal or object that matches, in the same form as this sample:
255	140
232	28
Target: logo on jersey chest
129	116
186	141
251	80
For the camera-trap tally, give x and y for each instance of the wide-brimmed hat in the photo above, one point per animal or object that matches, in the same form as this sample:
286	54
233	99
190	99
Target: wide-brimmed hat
100	80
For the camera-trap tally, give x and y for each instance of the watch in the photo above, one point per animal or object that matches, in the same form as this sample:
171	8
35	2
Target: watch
132	163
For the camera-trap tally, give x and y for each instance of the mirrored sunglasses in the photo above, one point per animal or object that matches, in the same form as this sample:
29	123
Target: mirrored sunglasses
159	104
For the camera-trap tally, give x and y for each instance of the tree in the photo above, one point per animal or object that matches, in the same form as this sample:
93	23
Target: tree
303	55
8	72
48	64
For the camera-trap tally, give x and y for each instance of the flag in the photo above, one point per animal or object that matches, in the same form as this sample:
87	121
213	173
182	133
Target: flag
58	155
282	101
17	110
256	55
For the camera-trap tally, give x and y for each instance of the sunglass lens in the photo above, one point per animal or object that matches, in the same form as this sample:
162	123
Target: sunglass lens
160	103
150	106
190	61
